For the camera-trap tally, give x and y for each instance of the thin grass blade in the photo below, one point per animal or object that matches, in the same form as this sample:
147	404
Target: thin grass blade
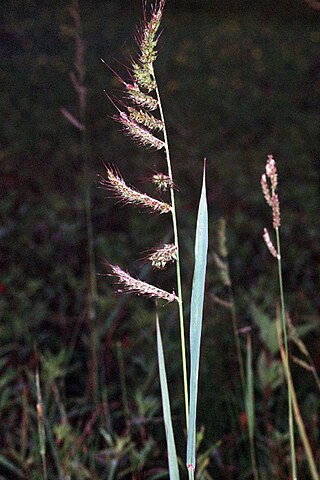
249	390
172	455
250	407
11	467
196	314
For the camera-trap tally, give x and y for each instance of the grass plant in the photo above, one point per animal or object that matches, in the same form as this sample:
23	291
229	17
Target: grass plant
271	197
84	404
139	93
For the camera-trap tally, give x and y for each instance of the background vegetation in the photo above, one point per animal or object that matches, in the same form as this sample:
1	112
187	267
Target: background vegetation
237	81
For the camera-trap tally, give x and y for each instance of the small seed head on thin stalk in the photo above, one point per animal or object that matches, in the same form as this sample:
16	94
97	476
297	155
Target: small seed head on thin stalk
268	242
162	182
144	118
128	195
138	133
133	285
266	190
271	172
275	211
163	255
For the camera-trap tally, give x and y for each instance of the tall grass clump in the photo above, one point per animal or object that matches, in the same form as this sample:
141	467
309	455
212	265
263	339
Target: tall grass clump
142	118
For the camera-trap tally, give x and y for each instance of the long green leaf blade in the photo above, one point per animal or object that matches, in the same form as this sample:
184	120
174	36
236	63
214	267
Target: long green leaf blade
196	313
172	455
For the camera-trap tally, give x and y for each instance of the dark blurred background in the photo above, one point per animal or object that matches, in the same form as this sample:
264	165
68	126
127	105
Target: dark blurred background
238	81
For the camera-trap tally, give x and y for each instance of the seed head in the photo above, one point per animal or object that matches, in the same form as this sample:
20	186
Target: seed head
140	98
271	171
275	211
161	256
270	195
142	77
268	242
147	38
133	285
266	190
128	195
144	118
162	182
138	133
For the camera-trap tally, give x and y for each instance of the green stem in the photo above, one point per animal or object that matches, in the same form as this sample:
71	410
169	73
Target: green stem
253	459
92	284
123	384
237	341
287	365
176	242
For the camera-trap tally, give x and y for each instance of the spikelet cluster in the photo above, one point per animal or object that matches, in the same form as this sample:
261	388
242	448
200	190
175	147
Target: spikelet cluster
270	194
140	98
140	91
148	38
161	256
138	133
162	182
144	118
133	285
140	123
129	195
268	242
269	183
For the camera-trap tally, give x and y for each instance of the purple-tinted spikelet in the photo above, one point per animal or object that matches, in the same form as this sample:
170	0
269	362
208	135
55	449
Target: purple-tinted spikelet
269	183
140	98
128	195
265	189
271	171
148	38
163	255
133	285
162	182
268	242
138	133
270	194
275	211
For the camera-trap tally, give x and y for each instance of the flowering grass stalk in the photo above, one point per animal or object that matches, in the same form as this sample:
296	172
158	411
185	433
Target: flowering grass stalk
133	285
140	123
269	183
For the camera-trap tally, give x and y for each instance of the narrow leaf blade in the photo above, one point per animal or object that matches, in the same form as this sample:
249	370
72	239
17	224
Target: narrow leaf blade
196	314
250	392
172	455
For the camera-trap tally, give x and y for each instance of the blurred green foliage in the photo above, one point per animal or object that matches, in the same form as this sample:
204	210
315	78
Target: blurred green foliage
238	82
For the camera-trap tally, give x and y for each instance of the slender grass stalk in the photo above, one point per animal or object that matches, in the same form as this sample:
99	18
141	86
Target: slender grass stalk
221	261
78	81
123	384
41	427
270	194
249	401
299	421
235	329
178	269
287	364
